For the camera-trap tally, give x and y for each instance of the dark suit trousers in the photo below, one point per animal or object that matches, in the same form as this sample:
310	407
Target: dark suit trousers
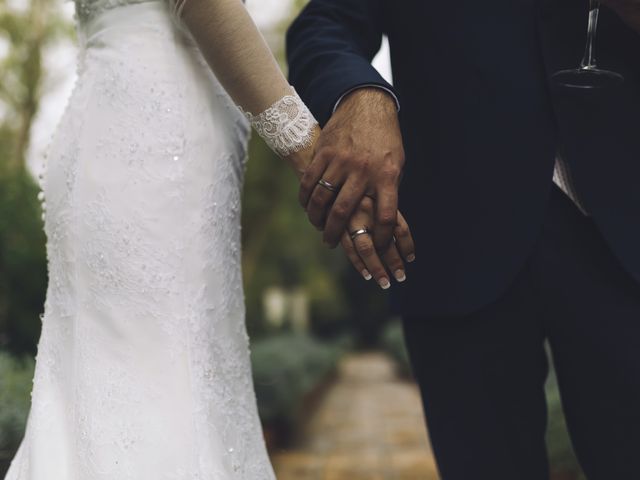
482	375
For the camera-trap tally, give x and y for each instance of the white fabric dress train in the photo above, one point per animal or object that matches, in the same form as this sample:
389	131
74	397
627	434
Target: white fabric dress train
143	368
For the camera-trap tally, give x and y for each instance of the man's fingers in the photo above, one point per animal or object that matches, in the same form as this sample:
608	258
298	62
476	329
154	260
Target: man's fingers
322	200
343	207
311	176
319	203
356	261
385	216
404	239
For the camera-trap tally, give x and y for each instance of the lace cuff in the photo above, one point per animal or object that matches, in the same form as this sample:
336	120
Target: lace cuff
286	126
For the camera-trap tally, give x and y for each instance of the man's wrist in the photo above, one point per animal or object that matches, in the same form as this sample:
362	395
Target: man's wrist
376	90
367	99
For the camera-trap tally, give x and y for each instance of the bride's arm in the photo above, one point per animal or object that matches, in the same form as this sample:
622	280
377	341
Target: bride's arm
242	61
240	58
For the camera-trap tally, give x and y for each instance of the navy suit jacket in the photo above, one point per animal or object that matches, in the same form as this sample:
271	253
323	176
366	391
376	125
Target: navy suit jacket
482	123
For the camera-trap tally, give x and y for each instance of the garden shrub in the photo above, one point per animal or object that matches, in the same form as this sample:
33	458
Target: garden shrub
23	267
286	367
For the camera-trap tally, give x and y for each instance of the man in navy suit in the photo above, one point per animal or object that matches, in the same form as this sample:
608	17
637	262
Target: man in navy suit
524	202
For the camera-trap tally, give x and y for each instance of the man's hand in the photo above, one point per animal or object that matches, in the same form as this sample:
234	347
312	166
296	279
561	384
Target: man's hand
359	153
628	10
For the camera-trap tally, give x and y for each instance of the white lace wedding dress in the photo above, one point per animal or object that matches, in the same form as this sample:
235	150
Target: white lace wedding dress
143	368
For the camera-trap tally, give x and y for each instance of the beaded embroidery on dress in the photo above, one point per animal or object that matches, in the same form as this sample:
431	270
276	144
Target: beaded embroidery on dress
143	367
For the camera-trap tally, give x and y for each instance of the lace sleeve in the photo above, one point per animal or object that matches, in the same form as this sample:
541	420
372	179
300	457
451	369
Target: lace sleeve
240	58
287	126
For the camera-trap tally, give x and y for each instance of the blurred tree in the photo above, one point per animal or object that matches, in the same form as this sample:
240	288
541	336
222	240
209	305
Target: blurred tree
26	29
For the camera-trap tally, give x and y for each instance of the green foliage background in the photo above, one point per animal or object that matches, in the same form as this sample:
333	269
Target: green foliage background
27	32
280	248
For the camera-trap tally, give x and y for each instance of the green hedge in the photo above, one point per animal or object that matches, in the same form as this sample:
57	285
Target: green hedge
15	389
287	367
23	265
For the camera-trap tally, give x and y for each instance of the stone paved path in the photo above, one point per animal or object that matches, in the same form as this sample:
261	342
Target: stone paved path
368	426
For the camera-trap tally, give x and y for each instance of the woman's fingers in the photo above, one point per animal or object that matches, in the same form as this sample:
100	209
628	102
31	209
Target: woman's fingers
401	250
354	258
359	246
404	240
394	263
367	252
361	237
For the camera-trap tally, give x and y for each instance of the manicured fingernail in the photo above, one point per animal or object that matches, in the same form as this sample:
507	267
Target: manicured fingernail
400	276
366	274
411	258
384	283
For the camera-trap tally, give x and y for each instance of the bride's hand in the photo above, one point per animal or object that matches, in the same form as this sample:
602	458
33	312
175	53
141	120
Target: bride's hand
362	252
301	159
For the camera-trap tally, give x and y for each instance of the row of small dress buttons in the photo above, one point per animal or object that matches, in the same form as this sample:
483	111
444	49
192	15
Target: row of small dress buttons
41	198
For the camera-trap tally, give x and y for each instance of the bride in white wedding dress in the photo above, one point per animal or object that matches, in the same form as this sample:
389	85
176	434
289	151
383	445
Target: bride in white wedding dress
143	366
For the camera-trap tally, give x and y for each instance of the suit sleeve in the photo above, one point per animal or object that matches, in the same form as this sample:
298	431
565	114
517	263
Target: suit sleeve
330	47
